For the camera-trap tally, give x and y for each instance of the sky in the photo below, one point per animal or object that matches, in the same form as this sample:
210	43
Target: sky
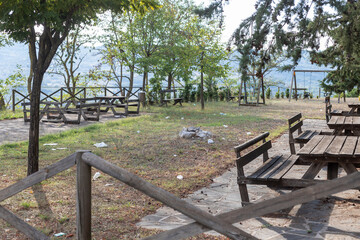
235	11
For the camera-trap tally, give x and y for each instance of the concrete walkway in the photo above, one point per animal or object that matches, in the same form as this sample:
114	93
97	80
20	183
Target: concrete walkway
335	217
17	130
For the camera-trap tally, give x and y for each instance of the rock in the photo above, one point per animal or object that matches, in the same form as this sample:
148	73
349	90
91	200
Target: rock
194	132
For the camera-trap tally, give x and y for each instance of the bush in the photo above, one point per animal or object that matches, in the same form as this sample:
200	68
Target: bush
268	93
282	95
185	94
287	93
222	95
277	95
193	95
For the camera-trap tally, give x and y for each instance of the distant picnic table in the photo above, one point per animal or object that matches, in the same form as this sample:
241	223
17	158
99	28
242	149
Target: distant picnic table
348	124
165	101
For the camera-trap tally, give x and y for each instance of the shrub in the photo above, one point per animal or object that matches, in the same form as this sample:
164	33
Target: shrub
287	93
222	95
282	95
268	93
277	95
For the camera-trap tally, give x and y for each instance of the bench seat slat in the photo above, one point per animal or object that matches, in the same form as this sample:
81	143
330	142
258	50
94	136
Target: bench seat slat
284	168
265	167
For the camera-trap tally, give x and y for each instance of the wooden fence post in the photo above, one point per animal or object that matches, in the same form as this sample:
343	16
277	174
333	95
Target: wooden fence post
13	100
83	198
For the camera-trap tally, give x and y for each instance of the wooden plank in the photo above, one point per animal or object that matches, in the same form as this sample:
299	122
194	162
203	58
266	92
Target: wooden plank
356	120
251	142
320	149
20	225
267	165
294	118
335	146
349	146
285	167
305	135
357	149
333	120
262	208
348	167
83	198
242	161
37	177
340	120
307	149
165	197
348	120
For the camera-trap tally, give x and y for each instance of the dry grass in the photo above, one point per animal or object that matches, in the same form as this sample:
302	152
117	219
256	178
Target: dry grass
155	153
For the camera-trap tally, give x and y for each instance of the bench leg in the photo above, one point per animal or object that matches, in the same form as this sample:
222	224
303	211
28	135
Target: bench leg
243	189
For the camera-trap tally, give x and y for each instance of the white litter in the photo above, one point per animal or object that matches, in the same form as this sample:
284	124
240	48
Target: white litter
223	138
101	145
182	118
222	113
180	177
108	184
50	144
138	131
53	149
27	219
175	155
194	104
96	176
210	141
4	175
61	148
59	234
320	110
225	126
248	133
167	117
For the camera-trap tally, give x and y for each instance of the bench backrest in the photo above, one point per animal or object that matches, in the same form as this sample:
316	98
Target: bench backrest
328	111
295	123
248	157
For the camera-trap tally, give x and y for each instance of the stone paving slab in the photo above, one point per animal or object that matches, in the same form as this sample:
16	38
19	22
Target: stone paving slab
335	217
15	130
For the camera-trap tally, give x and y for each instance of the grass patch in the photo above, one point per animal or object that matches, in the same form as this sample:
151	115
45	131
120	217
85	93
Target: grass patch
148	146
8	114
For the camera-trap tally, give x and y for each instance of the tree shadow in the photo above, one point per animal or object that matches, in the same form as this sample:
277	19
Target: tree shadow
41	199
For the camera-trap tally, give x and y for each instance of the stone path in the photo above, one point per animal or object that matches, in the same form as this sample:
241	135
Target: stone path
335	217
17	130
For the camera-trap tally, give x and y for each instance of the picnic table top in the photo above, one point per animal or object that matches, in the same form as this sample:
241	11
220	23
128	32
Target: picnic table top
351	105
327	148
345	122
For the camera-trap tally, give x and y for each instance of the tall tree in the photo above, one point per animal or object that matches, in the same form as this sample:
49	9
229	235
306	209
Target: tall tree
44	25
328	29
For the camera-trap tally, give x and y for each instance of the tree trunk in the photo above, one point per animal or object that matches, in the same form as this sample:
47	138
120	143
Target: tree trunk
170	79
202	89
31	74
131	83
145	76
33	149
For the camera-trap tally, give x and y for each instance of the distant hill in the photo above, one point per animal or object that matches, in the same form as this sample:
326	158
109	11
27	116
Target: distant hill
17	54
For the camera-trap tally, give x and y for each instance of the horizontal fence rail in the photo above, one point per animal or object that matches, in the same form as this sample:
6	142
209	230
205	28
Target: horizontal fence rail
62	95
221	223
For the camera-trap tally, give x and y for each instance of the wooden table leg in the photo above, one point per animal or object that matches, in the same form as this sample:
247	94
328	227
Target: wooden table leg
332	171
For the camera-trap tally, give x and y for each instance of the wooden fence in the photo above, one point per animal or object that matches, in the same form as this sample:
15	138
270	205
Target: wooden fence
204	221
61	95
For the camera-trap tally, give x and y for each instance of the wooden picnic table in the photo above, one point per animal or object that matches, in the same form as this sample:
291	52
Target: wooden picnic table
348	124
354	108
333	151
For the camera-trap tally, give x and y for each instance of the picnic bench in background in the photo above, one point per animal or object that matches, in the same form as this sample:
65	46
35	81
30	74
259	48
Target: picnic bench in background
164	100
271	173
302	137
349	125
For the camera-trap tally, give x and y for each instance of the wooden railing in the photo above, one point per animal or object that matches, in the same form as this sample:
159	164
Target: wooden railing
221	223
59	95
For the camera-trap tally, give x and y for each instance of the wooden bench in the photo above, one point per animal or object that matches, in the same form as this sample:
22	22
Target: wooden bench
272	171
295	124
329	112
164	101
